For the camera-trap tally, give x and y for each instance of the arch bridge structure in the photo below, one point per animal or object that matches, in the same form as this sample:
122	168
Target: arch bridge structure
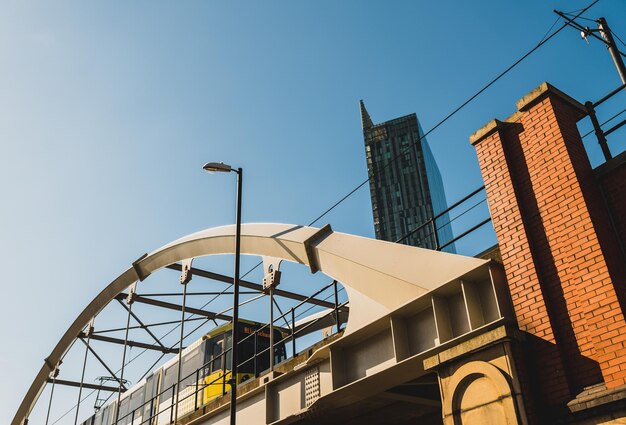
423	335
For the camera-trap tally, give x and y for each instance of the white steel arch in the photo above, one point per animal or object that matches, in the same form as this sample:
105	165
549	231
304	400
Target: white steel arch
378	276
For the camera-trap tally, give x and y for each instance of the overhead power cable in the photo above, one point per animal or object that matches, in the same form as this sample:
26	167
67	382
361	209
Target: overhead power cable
579	17
556	21
618	37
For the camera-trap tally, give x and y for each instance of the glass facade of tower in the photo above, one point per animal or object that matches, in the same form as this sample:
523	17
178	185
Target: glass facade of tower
405	184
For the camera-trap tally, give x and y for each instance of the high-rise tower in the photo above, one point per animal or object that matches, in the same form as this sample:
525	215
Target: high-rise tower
405	183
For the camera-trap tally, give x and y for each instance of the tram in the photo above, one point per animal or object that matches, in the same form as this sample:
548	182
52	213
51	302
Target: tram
204	376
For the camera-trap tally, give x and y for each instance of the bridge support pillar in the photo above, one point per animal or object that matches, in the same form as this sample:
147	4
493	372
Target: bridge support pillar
478	380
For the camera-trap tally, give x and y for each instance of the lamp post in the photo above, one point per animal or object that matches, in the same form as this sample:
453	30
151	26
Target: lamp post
223	168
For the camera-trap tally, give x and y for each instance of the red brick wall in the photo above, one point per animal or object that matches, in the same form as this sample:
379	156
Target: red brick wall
562	262
527	296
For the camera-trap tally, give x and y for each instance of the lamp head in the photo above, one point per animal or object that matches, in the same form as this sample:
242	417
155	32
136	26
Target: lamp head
220	167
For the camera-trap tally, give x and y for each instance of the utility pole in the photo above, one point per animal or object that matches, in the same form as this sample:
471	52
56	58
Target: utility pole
605	36
605	31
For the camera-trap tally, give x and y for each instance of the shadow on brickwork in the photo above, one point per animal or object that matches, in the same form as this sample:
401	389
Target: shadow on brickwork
545	353
610	179
539	411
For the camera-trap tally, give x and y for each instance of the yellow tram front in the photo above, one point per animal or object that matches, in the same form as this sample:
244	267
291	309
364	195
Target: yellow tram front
253	355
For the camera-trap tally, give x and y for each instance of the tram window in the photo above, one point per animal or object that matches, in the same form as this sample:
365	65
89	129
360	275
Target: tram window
103	416
150	387
169	380
246	355
107	418
191	363
228	344
136	401
263	354
150	393
280	353
123	415
217	359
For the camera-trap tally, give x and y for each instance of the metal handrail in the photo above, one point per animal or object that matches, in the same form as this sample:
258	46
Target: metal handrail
597	127
467	232
222	358
432	222
610	95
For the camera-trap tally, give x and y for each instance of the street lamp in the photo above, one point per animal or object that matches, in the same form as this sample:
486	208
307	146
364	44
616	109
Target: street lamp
220	167
213	167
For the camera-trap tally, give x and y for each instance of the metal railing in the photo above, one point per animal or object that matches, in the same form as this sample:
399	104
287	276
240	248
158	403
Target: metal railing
207	367
601	134
434	224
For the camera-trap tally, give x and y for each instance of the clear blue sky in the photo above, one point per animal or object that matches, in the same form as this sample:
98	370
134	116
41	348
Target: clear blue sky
108	111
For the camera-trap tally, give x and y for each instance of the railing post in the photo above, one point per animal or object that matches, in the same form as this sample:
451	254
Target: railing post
224	368
150	417
293	332
598	130
132	416
336	294
195	403
256	360
435	235
271	328
172	406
